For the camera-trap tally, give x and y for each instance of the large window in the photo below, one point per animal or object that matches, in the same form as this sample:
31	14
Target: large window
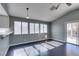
41	28
73	32
45	28
36	28
31	28
24	28
17	27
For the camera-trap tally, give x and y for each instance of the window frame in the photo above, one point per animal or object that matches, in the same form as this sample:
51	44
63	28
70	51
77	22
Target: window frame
26	23
37	28
45	28
41	28
16	27
28	26
33	25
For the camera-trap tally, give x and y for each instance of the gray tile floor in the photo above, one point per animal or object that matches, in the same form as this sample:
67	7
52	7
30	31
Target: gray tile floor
50	48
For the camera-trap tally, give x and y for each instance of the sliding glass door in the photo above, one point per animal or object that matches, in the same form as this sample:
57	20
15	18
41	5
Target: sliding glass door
73	32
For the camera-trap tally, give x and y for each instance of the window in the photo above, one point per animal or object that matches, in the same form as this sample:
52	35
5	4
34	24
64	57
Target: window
31	28
36	28
17	27
45	28
41	28
24	28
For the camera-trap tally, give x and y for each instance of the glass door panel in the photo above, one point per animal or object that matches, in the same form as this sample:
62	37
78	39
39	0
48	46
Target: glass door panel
73	32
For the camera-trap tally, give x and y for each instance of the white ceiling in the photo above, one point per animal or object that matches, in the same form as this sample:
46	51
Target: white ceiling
39	11
2	11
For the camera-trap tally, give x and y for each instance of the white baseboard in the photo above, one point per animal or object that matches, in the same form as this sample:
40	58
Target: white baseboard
6	51
59	40
25	42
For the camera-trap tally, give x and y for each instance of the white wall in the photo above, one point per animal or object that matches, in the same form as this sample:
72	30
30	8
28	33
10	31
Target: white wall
4	43
58	27
4	21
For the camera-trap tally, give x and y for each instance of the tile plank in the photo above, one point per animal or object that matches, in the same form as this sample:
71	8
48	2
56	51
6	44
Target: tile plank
47	46
31	51
19	52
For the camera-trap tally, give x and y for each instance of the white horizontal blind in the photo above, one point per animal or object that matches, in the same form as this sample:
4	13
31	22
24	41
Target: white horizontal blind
41	28
31	28
45	28
36	28
24	28
17	27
